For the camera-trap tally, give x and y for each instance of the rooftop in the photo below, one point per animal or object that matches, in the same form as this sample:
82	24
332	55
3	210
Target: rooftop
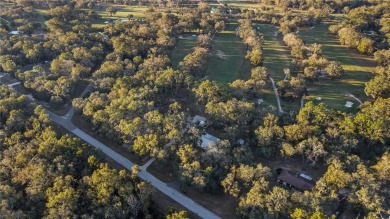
15	32
198	119
208	141
294	181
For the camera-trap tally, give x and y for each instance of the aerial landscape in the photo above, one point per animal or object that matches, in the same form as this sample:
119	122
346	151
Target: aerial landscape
182	109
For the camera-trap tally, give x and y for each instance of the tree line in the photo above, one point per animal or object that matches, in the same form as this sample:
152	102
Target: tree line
365	29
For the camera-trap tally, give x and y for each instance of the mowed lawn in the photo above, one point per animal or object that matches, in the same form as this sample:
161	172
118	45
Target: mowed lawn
184	47
123	11
276	58
276	55
234	66
358	70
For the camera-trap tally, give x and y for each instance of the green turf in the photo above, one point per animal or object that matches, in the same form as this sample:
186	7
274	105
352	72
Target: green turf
276	55
276	58
122	13
358	69
235	66
184	47
6	4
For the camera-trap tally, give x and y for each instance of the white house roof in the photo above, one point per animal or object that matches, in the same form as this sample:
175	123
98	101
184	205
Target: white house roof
199	119
15	32
208	141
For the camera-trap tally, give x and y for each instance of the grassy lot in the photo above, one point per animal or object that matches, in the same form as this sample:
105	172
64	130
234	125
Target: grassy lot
358	70
122	13
234	66
243	4
276	55
184	47
6	4
276	58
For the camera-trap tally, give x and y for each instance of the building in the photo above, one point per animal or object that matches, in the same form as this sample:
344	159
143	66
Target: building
295	182
208	142
199	120
15	32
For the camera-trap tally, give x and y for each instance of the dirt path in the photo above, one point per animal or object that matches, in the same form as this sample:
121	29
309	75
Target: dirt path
357	99
276	95
13	84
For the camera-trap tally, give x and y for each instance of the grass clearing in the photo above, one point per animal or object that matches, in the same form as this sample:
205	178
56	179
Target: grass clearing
123	11
5	4
184	47
276	55
358	70
234	66
276	58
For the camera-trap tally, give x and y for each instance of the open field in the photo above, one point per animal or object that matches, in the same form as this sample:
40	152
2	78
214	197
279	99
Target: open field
276	58
332	92
234	65
358	70
242	4
6	4
123	11
276	55
184	46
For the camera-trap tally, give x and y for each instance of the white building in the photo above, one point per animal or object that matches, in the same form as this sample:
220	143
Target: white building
15	32
208	141
199	120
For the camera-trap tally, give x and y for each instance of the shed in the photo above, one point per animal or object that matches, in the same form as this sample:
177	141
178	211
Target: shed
292	181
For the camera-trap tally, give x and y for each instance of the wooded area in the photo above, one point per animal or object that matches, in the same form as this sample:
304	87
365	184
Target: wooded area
140	101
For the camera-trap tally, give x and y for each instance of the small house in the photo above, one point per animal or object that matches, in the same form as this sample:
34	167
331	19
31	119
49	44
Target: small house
208	141
199	120
294	182
15	32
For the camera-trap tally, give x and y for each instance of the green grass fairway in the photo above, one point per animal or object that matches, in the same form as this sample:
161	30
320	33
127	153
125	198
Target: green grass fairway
358	70
6	4
276	55
184	47
276	58
122	13
235	66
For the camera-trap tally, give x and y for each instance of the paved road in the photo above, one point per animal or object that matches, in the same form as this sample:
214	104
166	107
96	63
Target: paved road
277	95
13	84
143	174
65	121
